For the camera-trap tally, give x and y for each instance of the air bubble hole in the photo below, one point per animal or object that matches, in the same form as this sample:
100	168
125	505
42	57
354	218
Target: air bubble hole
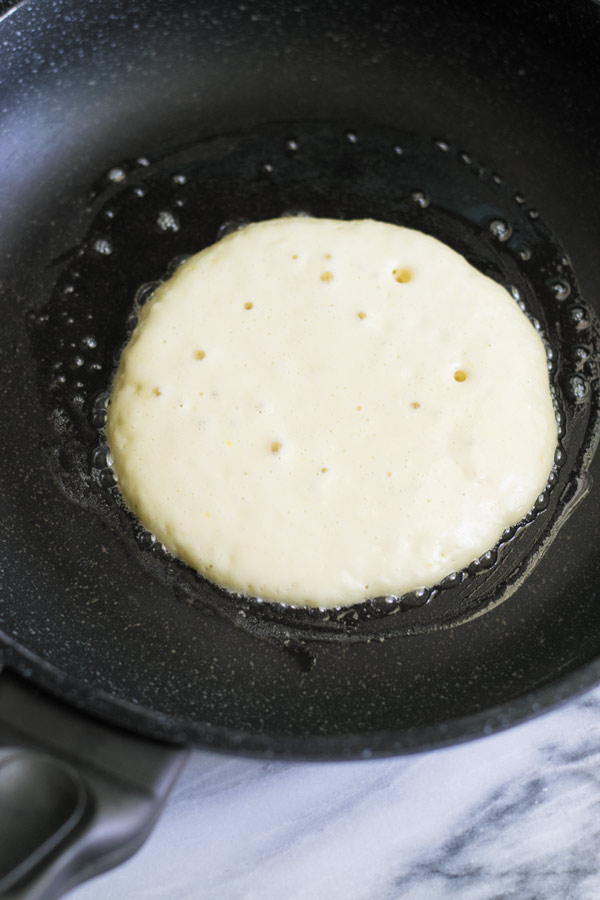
102	457
501	230
167	221
102	246
420	198
559	288
146	540
116	174
579	317
108	478
578	388
145	293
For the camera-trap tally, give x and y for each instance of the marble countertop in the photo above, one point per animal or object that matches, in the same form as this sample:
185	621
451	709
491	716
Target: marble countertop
514	815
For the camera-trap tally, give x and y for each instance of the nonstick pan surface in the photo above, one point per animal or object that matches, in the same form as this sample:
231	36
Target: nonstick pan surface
132	135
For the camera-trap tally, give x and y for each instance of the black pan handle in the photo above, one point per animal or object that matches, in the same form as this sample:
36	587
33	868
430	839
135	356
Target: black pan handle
77	796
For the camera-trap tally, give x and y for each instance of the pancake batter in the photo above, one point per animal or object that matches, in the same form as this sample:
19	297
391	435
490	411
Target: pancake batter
317	411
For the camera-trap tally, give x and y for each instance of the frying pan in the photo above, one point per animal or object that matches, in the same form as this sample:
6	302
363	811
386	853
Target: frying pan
481	129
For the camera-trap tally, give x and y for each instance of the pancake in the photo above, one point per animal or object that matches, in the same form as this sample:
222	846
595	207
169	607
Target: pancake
317	411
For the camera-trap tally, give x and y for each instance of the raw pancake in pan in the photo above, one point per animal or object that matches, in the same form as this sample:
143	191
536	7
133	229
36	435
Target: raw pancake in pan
317	411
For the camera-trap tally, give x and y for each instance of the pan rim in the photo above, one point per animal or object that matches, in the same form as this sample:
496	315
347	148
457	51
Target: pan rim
117	711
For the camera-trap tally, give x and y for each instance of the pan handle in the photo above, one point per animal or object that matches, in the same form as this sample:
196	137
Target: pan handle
77	796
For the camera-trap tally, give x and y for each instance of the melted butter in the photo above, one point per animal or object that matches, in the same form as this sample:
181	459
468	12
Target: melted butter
317	412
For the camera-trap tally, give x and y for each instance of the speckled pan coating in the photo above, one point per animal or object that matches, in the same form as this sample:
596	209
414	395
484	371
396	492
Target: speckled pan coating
78	613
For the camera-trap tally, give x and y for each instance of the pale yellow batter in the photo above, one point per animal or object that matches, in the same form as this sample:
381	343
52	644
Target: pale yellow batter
316	412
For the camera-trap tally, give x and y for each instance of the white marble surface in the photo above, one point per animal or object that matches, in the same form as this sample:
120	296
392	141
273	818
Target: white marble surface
515	815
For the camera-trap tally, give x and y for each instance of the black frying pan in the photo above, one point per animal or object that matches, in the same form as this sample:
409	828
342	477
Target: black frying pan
483	129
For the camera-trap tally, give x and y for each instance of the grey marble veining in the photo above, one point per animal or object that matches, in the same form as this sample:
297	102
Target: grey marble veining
515	815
